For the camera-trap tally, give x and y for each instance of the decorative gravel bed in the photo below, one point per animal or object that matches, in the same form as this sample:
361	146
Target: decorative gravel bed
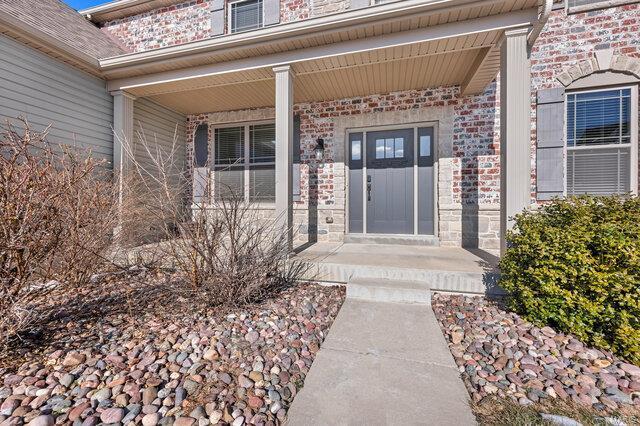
502	355
241	366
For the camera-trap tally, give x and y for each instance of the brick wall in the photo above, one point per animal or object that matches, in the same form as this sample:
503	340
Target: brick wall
191	21
167	26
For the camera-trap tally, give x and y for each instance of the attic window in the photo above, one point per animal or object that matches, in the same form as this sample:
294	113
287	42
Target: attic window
246	15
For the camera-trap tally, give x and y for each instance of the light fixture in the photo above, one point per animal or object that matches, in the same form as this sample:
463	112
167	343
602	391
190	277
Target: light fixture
319	149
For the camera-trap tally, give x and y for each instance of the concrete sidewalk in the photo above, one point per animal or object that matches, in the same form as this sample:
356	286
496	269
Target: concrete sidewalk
383	364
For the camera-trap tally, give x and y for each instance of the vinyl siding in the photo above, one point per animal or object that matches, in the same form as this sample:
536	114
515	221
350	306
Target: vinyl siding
48	92
159	126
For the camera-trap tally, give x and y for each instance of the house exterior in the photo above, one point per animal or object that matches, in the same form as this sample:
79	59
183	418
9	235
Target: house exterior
432	121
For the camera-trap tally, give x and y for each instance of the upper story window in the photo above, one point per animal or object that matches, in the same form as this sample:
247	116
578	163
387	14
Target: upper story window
601	141
245	15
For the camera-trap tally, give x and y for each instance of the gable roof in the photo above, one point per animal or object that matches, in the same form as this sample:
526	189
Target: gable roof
53	22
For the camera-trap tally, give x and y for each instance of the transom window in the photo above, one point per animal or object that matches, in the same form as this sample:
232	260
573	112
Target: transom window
244	162
246	15
599	142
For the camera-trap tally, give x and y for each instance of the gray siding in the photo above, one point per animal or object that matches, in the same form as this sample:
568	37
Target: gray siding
159	125
48	92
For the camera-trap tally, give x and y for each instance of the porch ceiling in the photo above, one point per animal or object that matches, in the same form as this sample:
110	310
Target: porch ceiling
319	84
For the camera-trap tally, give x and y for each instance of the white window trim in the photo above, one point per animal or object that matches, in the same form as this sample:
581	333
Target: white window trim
633	185
229	20
246	165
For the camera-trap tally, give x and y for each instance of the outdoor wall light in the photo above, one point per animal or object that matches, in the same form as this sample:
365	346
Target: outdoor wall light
319	149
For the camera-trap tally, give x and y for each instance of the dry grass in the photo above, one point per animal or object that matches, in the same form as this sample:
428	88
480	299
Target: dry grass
505	412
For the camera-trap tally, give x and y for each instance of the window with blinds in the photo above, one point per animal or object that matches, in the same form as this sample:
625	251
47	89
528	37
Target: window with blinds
229	162
244	163
246	15
599	142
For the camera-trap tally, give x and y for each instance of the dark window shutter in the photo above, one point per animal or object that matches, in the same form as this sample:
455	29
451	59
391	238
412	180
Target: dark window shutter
359	4
550	143
217	17
297	192
271	12
201	146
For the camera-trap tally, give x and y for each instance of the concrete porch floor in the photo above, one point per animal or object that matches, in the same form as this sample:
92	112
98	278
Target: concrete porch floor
440	268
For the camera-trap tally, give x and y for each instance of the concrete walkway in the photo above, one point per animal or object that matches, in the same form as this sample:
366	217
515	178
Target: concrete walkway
383	364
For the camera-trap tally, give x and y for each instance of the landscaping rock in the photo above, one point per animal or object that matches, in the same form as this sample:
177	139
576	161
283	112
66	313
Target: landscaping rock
153	369
500	354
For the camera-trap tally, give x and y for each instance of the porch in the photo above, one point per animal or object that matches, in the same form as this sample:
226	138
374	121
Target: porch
278	73
419	269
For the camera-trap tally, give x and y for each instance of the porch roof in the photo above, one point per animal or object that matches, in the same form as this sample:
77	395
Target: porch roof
390	47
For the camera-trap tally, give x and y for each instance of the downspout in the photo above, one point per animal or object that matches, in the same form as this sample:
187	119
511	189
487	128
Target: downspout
542	20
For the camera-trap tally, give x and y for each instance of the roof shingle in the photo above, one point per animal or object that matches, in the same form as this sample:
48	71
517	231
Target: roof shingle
61	22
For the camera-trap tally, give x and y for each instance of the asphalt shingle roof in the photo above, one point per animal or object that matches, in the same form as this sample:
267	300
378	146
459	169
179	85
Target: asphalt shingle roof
63	23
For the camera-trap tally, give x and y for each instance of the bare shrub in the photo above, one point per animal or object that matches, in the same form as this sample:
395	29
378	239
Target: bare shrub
225	251
56	222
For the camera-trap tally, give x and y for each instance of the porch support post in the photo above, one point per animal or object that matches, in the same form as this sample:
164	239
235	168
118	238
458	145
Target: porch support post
122	129
515	128
284	151
122	134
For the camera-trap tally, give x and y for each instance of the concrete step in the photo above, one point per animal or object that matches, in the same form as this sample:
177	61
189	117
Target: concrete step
403	240
384	290
449	281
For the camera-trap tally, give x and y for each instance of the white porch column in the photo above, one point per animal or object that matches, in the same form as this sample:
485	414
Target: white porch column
284	150
515	128
122	128
122	133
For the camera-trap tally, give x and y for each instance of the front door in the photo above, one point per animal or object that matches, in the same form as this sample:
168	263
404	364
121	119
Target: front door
389	182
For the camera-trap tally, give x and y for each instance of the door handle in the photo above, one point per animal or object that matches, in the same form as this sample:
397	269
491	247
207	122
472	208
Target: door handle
368	188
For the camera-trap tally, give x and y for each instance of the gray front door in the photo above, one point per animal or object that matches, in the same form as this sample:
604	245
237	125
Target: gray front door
389	182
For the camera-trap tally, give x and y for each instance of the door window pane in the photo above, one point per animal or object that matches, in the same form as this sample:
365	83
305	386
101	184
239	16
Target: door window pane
389	148
399	148
356	150
379	148
425	146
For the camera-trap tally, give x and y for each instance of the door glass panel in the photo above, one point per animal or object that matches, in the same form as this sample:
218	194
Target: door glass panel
425	146
389	147
356	150
379	148
399	148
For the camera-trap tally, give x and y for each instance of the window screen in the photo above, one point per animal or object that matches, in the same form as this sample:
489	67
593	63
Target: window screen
246	15
599	142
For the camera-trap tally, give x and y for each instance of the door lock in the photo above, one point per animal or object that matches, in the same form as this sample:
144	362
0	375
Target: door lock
368	187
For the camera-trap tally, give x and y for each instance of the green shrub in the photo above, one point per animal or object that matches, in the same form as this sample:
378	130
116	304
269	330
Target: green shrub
575	265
